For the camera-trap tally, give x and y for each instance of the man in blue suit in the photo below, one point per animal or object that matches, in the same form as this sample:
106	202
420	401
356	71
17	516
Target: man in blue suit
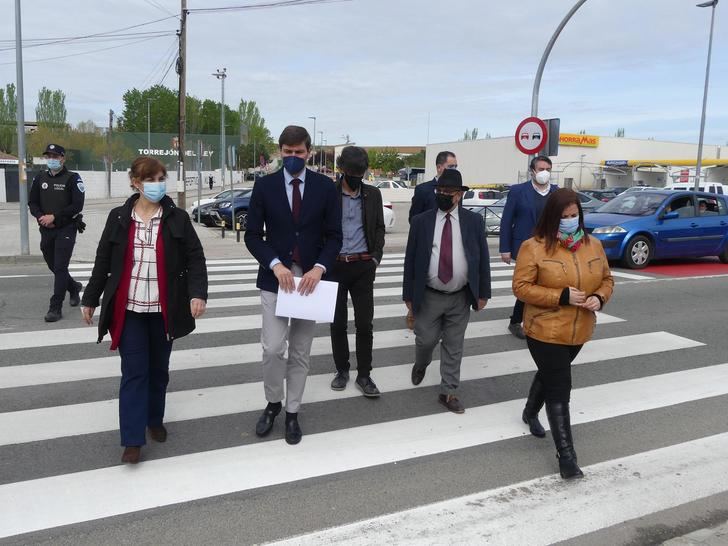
294	229
424	196
446	272
520	215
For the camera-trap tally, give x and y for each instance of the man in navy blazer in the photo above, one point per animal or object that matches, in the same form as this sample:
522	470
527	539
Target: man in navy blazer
424	195
293	229
446	272
520	215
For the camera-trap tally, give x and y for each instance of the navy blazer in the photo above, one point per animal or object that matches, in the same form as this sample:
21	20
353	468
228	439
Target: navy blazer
271	232
423	198
419	252
519	217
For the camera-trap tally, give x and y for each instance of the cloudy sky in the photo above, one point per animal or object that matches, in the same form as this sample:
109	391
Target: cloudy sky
377	70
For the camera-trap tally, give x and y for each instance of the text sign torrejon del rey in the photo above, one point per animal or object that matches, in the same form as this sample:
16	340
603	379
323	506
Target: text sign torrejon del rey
531	135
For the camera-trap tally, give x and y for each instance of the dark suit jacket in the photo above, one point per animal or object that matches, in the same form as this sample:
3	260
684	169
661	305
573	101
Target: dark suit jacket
519	217
423	198
372	215
419	251
271	232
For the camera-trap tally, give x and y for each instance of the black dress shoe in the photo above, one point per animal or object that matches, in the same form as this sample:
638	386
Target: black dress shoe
158	433
293	431
74	296
418	374
54	314
367	387
517	330
265	423
338	383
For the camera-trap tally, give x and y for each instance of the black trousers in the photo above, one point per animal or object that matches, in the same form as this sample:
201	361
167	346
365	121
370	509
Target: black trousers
554	367
57	246
355	279
517	316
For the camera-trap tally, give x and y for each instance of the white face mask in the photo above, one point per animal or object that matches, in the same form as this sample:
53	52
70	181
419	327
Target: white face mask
542	177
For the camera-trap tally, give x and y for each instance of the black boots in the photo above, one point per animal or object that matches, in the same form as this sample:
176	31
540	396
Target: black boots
558	414
533	406
74	294
54	312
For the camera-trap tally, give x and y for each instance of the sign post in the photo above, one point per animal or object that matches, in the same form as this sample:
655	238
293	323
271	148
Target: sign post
531	135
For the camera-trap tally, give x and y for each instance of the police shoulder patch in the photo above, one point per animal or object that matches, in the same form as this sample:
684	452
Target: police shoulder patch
80	186
44	185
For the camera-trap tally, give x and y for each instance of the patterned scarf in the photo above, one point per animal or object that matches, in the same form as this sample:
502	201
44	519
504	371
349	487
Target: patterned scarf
571	241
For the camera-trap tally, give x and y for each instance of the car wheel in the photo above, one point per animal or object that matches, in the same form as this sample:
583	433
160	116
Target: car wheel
242	219
638	253
723	256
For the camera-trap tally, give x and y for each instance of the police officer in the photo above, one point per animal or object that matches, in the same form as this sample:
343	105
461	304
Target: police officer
56	200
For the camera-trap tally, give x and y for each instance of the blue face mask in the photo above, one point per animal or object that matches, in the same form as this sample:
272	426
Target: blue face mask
154	191
54	164
569	225
293	164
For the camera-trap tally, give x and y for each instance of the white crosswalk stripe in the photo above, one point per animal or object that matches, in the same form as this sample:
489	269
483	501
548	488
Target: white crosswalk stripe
58	389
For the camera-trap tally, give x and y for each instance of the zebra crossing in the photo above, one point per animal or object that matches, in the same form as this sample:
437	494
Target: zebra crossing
59	419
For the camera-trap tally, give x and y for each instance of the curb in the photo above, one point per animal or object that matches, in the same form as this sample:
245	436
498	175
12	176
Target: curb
22	260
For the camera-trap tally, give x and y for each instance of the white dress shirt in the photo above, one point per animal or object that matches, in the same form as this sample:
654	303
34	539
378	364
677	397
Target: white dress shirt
459	263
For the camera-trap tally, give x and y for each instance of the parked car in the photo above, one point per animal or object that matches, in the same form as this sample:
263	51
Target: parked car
638	227
390	185
601	195
481	197
222	195
588	203
491	214
204	217
641	188
223	210
711	187
389	216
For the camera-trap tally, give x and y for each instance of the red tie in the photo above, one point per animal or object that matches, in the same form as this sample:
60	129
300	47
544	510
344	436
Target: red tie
444	267
296	210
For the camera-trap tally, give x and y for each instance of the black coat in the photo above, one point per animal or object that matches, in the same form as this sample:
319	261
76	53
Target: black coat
184	261
372	219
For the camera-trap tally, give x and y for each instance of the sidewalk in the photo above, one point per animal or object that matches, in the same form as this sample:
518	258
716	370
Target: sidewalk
710	536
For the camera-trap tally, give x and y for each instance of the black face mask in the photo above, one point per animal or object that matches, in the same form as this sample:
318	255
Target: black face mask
444	202
354	182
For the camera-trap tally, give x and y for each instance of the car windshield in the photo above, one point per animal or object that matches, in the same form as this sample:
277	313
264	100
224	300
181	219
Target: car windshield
634	204
501	202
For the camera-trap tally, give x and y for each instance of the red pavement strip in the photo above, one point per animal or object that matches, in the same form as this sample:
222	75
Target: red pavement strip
689	268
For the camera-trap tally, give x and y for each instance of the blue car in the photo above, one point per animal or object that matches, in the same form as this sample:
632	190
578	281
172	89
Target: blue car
222	210
638	227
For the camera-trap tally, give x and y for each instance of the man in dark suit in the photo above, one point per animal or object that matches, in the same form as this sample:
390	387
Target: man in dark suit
424	196
520	215
355	269
446	271
294	228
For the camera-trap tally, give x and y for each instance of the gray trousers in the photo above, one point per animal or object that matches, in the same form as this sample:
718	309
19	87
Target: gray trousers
277	334
442	318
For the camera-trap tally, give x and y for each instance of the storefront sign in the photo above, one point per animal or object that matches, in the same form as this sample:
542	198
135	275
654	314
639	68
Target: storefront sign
587	141
616	163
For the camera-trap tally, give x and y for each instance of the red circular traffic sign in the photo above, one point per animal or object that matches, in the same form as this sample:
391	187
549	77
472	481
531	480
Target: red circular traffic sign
531	135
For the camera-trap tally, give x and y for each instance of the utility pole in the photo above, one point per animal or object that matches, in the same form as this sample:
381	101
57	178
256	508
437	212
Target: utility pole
20	118
182	71
108	154
149	125
221	75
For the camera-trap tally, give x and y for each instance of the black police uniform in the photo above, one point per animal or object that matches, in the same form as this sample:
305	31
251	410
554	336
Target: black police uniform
61	195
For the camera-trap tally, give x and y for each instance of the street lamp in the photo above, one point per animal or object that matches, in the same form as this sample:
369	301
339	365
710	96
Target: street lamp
698	165
149	125
221	75
321	141
581	167
314	134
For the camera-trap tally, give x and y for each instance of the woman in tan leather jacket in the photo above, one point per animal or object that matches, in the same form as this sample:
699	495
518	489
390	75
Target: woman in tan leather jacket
563	276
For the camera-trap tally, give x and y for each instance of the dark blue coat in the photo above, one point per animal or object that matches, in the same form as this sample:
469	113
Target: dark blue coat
423	198
271	232
419	251
519	217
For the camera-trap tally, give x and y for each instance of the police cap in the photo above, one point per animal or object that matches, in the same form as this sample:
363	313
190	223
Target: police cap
55	149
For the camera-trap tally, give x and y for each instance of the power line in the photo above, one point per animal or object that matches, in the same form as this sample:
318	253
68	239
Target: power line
171	64
266	5
160	7
163	60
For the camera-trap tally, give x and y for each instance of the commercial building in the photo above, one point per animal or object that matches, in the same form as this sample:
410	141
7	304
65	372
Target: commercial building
585	161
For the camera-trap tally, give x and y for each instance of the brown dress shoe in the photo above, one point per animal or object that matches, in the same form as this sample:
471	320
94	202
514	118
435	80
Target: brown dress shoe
158	434
131	454
451	402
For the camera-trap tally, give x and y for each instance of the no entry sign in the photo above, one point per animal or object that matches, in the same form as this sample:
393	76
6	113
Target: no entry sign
531	135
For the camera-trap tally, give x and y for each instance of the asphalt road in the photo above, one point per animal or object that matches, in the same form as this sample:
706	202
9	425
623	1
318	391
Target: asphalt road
651	381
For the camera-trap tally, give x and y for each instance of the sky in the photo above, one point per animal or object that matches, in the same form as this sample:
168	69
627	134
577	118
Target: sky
394	72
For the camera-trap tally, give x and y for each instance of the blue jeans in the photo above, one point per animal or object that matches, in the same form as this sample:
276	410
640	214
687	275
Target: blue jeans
144	351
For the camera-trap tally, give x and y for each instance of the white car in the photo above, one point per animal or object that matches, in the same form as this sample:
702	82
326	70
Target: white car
389	217
481	197
390	185
222	195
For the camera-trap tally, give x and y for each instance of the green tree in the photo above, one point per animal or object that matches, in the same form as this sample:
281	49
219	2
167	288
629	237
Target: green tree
259	140
619	133
51	108
386	160
415	160
8	123
163	110
471	135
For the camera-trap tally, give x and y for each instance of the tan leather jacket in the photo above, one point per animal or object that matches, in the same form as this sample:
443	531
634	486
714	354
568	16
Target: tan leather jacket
539	280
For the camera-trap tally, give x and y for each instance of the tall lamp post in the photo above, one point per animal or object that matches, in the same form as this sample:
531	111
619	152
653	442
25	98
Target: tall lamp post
221	75
699	163
149	124
20	119
314	136
321	142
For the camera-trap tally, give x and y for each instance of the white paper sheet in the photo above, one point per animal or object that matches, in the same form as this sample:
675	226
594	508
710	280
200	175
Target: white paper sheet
318	306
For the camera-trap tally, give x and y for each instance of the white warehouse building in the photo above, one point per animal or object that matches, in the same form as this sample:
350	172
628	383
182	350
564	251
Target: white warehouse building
584	161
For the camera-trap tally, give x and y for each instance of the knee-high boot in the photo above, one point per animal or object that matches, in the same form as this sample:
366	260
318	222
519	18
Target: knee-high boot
560	421
533	406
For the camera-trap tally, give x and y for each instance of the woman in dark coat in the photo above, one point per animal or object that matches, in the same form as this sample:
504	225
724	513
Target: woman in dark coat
151	270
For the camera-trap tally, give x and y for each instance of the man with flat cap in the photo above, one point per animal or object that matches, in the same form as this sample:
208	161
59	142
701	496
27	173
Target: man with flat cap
446	272
56	200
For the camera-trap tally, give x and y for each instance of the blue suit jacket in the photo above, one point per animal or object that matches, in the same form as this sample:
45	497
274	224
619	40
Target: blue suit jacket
271	232
423	198
519	217
419	252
